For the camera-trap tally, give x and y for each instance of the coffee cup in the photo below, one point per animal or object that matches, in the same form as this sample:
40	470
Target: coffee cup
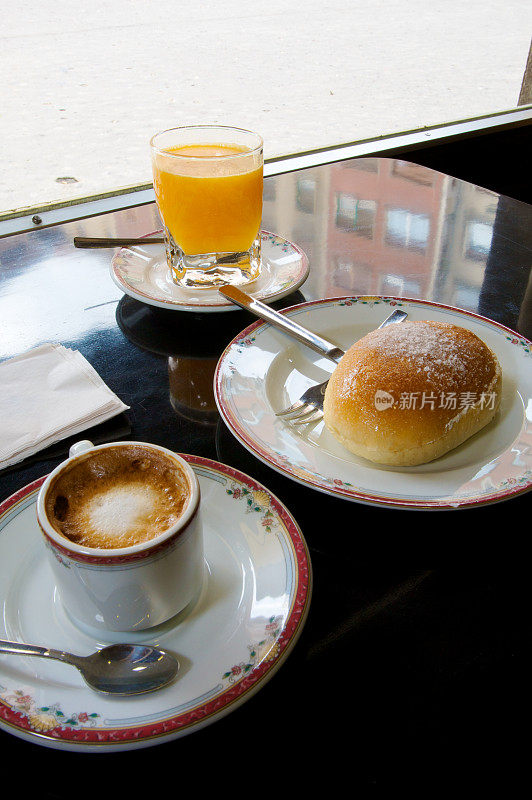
122	530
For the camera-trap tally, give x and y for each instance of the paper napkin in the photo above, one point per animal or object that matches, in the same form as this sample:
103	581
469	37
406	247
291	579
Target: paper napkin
48	394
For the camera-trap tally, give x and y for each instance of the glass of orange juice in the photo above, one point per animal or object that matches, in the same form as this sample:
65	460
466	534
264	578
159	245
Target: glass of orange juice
208	187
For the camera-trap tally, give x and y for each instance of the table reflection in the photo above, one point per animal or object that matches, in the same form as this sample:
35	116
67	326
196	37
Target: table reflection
191	388
388	227
192	344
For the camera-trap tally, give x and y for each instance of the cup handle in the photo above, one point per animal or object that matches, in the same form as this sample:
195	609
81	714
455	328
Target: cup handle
78	448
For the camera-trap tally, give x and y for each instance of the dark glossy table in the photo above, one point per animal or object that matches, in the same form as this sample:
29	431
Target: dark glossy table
414	660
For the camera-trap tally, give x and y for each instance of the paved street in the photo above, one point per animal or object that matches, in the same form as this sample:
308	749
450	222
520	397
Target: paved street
86	82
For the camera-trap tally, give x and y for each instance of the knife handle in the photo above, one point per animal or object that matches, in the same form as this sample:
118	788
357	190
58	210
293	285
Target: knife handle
86	242
282	323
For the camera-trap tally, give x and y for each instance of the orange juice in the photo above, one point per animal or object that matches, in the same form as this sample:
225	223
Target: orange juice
210	196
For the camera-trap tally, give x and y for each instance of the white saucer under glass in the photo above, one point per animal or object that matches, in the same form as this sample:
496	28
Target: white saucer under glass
141	271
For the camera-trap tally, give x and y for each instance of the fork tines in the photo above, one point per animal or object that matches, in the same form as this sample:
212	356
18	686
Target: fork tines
300	413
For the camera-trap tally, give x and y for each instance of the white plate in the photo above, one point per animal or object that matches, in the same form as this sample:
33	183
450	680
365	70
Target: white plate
250	612
142	273
263	371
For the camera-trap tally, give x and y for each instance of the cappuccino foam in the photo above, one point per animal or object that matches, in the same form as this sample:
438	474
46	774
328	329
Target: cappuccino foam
117	497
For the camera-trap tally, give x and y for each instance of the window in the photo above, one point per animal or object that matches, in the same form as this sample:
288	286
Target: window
406	229
306	195
363	164
85	85
412	172
398	286
270	191
478	240
352	277
355	215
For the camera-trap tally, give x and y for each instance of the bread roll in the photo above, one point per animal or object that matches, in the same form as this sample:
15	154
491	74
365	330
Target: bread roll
408	393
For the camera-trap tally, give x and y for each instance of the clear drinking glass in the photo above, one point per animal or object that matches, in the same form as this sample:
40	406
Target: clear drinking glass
208	187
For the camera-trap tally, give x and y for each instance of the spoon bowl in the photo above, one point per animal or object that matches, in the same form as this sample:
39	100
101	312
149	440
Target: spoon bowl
119	669
129	669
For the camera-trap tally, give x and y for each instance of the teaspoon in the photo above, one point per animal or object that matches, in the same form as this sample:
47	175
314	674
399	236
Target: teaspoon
120	669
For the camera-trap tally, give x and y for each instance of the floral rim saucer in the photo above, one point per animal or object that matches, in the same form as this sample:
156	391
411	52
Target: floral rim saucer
230	641
142	273
262	371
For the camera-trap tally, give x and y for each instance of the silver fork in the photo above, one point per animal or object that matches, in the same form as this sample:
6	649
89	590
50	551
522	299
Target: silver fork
309	407
301	412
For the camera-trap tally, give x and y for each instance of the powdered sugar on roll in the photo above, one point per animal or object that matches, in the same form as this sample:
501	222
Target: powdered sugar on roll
408	393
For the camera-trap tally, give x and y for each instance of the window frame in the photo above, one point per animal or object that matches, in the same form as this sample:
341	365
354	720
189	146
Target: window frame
35	218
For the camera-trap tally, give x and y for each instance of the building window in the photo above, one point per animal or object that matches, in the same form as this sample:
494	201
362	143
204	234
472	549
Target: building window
306	195
362	164
399	286
412	172
406	229
269	191
355	215
351	277
478	237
